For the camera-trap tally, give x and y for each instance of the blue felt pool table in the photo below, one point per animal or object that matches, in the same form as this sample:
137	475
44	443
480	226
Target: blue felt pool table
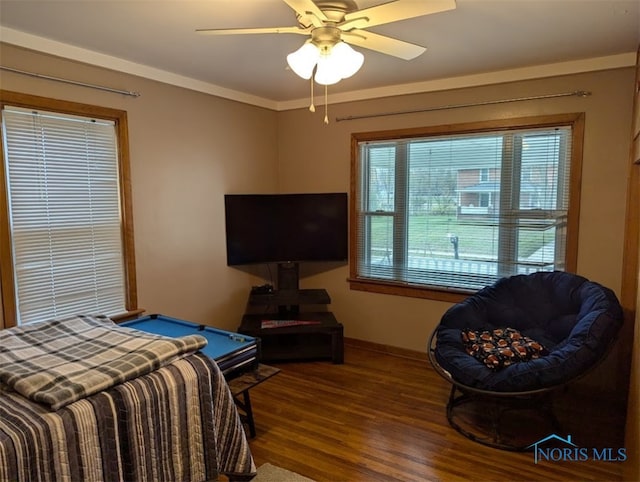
234	353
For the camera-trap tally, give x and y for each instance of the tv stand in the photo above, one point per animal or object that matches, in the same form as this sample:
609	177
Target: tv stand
294	340
288	276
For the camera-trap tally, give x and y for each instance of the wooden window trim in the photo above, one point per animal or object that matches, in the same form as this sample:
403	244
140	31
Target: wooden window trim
7	283
575	120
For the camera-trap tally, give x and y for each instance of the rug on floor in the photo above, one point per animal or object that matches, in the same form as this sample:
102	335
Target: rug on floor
271	473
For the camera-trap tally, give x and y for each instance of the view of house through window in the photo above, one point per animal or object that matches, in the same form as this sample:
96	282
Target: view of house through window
62	186
458	211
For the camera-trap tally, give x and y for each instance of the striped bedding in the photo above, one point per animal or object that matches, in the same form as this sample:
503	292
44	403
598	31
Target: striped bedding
176	423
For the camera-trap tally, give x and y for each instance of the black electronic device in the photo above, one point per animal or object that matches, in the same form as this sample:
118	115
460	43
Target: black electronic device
266	288
286	229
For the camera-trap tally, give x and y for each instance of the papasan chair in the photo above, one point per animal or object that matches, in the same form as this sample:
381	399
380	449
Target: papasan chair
513	344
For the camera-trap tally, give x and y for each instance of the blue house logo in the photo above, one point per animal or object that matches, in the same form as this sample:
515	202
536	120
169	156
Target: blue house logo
553	453
570	452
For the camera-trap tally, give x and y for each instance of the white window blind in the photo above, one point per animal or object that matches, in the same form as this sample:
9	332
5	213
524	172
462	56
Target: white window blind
65	222
460	211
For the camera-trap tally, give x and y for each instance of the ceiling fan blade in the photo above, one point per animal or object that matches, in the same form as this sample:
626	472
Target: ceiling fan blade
384	44
394	11
304	8
243	31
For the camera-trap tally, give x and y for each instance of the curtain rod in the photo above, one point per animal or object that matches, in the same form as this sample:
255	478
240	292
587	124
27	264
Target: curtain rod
73	82
577	93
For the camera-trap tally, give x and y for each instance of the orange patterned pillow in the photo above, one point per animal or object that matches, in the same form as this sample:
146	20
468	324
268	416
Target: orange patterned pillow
501	347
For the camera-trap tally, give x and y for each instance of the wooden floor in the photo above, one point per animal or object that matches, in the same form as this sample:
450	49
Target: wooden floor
382	417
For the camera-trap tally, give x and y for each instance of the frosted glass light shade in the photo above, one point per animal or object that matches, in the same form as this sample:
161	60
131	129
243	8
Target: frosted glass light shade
303	60
327	72
347	61
340	63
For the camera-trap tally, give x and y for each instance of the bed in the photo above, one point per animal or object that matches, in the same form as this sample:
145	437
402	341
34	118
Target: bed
84	399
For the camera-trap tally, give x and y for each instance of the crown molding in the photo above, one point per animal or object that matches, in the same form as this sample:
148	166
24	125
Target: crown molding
71	52
67	51
489	78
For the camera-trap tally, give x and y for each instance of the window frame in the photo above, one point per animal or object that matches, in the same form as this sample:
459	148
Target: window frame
119	117
574	120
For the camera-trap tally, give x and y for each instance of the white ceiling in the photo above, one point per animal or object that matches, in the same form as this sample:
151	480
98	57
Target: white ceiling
156	38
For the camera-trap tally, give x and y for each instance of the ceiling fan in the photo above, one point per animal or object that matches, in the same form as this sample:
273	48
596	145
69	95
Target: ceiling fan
330	22
332	25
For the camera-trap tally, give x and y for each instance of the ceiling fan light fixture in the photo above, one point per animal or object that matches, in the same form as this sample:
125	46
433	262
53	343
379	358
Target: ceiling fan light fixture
340	62
325	58
303	60
327	72
332	58
347	60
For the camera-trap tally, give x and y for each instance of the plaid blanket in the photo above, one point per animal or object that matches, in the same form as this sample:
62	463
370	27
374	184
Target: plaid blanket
57	362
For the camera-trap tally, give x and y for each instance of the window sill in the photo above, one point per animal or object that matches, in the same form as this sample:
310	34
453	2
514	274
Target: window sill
412	291
129	315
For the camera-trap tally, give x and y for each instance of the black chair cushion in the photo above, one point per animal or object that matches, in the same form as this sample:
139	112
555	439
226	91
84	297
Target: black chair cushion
573	318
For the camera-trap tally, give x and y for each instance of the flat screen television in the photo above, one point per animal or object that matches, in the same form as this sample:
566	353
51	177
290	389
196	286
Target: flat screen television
286	228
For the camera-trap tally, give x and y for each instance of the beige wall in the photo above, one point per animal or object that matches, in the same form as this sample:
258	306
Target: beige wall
316	157
187	150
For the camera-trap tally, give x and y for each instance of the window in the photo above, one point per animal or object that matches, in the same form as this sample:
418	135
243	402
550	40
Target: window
67	239
439	212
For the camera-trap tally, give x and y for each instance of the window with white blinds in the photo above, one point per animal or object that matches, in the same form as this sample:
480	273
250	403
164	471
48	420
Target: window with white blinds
65	223
457	211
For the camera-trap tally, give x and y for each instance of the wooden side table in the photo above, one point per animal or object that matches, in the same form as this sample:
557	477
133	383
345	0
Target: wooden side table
240	387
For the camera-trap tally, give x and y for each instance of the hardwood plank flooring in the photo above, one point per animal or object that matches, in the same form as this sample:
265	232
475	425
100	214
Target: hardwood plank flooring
382	417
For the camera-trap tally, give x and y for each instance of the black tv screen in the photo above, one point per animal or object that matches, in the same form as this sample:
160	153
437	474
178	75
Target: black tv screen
279	228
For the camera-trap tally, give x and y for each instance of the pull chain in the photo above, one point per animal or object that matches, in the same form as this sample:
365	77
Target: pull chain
326	107
312	107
